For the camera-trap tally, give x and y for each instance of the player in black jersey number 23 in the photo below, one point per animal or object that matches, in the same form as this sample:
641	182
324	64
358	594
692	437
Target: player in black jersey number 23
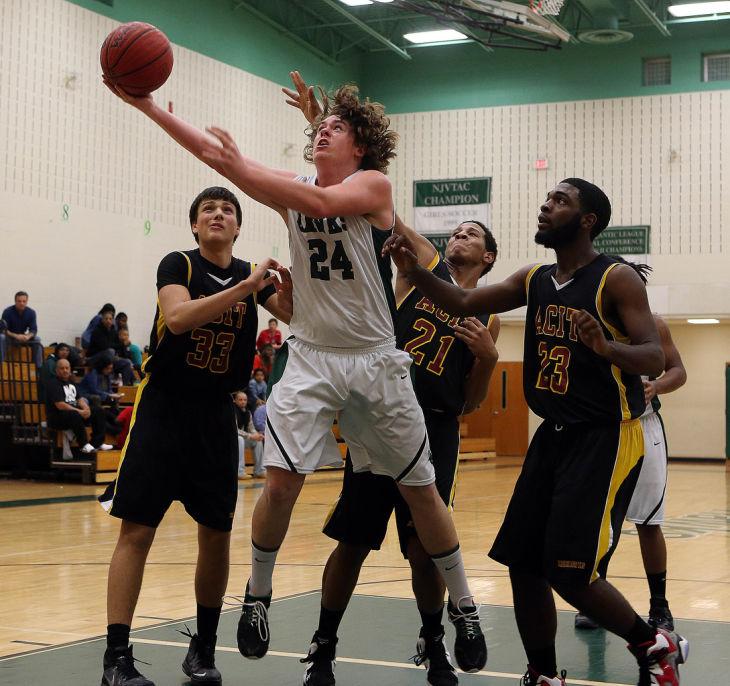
589	335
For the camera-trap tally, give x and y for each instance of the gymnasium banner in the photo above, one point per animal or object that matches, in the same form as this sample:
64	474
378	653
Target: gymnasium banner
441	205
631	242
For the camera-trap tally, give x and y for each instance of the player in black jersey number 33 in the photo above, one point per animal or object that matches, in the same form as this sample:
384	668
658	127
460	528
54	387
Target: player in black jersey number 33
589	335
182	439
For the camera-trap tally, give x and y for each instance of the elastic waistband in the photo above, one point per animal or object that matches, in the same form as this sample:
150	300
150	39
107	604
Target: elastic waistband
385	344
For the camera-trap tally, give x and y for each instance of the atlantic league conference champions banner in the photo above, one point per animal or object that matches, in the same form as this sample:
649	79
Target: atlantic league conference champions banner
440	206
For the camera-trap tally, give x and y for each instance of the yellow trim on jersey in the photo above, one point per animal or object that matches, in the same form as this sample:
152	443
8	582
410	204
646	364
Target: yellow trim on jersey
331	512
190	267
431	267
528	278
455	478
140	390
617	336
629	451
255	293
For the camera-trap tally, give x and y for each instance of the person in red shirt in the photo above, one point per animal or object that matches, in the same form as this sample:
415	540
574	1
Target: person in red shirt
264	359
272	336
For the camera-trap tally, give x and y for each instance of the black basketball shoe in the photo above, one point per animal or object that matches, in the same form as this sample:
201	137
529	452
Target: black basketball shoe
432	654
321	659
470	648
659	615
199	663
119	669
253	626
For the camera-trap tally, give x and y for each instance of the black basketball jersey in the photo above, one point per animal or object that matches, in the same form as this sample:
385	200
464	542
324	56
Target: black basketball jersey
564	380
218	356
441	362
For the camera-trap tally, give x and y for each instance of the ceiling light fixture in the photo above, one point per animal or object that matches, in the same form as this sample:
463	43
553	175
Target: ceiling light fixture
699	9
357	3
440	36
708	320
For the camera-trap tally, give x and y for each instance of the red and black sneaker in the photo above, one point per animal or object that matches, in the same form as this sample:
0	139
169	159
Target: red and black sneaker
659	659
533	678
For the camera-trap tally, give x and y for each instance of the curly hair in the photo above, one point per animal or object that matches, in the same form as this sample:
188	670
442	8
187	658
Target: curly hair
368	122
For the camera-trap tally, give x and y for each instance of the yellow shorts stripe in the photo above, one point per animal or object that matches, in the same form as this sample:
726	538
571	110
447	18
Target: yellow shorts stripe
630	450
140	390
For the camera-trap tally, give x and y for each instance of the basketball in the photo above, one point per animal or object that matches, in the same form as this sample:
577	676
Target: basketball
137	57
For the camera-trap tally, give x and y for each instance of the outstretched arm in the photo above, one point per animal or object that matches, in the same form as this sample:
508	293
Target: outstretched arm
624	300
501	297
190	138
367	193
302	97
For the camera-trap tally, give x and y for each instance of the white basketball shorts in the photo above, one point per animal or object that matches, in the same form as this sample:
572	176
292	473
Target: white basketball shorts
370	393
647	503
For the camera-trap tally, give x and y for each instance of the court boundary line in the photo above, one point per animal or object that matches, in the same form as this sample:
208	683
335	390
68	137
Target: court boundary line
376	663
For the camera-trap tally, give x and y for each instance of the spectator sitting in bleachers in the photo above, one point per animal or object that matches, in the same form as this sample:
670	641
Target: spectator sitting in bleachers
270	336
20	327
121	321
62	351
130	351
86	336
248	437
259	419
257	389
105	343
264	359
100	382
67	409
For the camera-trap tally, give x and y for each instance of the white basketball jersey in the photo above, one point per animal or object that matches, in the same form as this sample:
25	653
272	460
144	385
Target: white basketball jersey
343	292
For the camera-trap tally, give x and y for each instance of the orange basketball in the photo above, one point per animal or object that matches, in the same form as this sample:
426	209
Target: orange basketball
137	57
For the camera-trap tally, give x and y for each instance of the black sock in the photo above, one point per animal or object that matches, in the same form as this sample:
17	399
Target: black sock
329	622
208	623
117	635
432	622
640	633
658	586
543	661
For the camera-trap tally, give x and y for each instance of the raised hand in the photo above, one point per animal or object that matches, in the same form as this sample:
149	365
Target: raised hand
285	291
261	276
303	98
477	338
402	252
591	334
220	151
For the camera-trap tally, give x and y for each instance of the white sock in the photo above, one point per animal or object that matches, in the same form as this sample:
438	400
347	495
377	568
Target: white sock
262	570
451	567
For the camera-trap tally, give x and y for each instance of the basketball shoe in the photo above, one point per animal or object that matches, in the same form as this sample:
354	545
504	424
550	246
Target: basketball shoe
659	615
470	648
119	669
432	654
199	663
321	659
659	659
532	678
253	626
585	622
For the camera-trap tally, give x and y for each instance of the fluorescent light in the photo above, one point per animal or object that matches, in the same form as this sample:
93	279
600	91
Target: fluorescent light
709	320
355	3
441	36
698	9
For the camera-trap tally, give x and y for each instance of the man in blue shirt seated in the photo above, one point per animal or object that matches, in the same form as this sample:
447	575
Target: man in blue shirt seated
19	327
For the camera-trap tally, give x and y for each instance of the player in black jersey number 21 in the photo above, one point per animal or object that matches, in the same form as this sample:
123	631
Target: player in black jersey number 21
589	335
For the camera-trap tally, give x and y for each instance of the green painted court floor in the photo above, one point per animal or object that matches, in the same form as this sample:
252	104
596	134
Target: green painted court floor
377	638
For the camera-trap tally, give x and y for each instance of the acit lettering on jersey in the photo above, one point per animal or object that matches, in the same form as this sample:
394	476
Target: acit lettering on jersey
232	317
427	306
327	225
554	320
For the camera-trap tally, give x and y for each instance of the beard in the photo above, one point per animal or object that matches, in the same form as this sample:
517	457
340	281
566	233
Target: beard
559	236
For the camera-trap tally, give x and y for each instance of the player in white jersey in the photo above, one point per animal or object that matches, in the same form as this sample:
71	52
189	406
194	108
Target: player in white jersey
646	509
342	358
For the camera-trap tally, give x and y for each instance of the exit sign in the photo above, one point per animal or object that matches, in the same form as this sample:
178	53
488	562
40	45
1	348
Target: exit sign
541	164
